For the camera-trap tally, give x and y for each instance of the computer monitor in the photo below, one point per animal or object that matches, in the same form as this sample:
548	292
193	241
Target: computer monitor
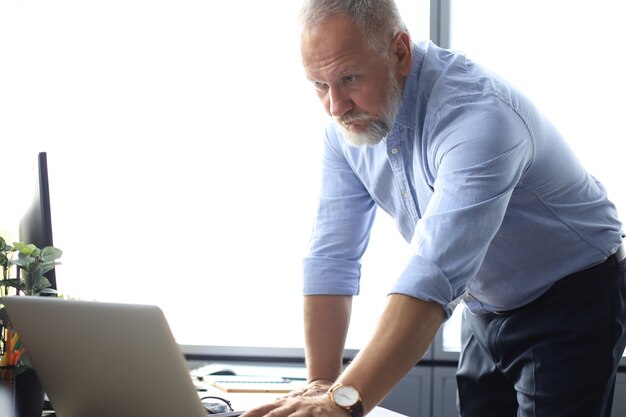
36	224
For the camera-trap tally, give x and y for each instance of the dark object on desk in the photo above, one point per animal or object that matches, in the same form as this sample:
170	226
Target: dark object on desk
229	414
216	405
213	369
29	395
224	372
36	224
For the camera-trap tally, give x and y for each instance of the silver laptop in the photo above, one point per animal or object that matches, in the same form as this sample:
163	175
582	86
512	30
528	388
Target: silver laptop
105	359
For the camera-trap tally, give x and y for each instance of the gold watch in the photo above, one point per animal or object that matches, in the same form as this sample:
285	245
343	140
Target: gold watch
348	398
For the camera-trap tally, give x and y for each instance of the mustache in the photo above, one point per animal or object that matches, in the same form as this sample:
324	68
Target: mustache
351	118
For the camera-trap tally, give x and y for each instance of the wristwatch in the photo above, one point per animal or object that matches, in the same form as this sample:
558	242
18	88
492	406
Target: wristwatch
348	398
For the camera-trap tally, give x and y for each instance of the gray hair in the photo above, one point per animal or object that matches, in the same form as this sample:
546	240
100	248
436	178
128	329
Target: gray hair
378	19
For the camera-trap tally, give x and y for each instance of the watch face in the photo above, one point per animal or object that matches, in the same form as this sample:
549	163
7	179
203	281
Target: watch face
345	396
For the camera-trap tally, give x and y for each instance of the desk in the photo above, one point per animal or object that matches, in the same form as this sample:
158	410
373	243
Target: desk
252	379
240	400
246	401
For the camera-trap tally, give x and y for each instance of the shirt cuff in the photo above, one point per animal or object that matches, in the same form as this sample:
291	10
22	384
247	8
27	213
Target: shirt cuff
423	280
331	276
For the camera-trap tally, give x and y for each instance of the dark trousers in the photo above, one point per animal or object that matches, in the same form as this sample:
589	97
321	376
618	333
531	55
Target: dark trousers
555	357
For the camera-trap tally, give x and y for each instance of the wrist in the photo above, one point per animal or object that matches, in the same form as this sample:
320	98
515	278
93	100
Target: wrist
324	381
347	398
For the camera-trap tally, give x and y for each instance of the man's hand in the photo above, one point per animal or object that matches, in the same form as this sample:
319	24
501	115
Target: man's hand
403	333
320	406
313	389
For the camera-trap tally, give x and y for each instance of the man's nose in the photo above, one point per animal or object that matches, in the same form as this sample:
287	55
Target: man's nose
340	102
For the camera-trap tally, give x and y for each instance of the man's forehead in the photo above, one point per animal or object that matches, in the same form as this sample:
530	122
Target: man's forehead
335	33
335	41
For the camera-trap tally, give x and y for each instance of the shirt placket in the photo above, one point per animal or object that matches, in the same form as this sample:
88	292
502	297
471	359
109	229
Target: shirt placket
396	161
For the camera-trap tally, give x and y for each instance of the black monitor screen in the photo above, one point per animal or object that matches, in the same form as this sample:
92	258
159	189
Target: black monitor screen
36	225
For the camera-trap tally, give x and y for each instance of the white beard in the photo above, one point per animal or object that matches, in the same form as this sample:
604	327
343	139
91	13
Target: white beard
377	129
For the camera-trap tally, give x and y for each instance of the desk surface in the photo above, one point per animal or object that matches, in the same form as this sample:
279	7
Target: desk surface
246	401
241	400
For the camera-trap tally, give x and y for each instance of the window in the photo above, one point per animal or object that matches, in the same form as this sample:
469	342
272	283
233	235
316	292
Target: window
566	57
183	148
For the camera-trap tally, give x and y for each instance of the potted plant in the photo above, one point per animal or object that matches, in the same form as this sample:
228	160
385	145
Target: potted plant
23	268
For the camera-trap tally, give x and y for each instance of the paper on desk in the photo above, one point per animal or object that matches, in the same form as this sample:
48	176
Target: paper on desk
383	412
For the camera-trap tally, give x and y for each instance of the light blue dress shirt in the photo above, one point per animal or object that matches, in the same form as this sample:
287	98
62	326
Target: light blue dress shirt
495	205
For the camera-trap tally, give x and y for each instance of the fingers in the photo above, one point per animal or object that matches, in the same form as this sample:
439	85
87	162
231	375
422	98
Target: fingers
309	401
297	407
262	410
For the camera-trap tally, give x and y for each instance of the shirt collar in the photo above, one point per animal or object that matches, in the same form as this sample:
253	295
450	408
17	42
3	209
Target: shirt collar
406	115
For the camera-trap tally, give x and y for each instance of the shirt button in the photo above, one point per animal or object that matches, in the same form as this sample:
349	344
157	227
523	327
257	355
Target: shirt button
394	151
405	194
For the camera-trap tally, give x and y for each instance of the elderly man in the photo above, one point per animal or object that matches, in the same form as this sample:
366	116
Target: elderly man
499	214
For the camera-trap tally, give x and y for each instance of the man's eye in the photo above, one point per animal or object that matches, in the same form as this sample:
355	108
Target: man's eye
350	78
319	85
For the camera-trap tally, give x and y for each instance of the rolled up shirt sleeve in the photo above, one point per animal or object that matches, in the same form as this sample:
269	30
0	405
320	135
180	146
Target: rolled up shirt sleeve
477	153
341	232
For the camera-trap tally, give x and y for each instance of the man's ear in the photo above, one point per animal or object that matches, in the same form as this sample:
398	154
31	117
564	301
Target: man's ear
403	52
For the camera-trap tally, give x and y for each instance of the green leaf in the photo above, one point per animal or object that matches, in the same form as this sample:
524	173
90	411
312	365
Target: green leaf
3	243
50	253
13	283
23	260
48	266
4	261
34	277
26	248
42	284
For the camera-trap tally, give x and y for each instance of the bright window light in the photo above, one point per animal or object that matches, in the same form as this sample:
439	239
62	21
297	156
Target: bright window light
183	148
566	56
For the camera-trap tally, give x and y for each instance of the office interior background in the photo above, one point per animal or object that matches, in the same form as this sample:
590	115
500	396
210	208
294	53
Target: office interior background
183	145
